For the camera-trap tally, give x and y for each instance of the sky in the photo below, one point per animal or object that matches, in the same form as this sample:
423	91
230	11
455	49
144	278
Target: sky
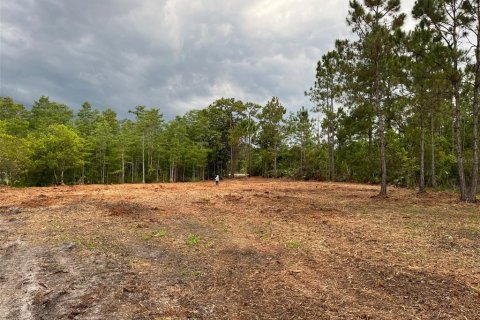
175	55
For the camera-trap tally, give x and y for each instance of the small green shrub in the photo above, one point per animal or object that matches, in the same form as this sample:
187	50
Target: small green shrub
293	244
192	240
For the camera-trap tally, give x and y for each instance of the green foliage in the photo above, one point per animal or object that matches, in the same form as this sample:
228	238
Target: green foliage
45	113
15	157
271	135
192	240
105	145
299	130
57	149
293	244
14	117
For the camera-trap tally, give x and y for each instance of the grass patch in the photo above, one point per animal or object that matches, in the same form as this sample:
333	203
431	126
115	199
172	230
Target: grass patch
193	240
64	238
264	232
209	244
97	243
155	234
90	245
293	244
471	232
192	274
86	243
55	224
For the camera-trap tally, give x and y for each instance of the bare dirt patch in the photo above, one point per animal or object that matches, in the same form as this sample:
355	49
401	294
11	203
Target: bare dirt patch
249	249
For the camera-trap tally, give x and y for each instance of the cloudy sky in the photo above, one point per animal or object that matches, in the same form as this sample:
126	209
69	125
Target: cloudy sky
173	54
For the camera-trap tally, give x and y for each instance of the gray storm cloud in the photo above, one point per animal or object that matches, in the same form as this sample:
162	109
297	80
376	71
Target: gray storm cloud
176	54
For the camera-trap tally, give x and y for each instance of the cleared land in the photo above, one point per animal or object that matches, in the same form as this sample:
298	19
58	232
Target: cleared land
249	249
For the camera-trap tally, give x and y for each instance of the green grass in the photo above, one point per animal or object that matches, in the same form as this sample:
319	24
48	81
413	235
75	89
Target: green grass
293	244
209	244
90	245
86	243
65	238
191	274
192	240
155	234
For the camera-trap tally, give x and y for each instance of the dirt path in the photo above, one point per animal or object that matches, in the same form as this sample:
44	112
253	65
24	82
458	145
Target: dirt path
250	249
18	269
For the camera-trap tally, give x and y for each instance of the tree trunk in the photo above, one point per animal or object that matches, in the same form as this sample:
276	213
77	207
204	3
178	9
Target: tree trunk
319	128
472	197
143	158
333	158
233	161
275	160
103	169
455	80
332	142
123	166
301	162
432	142
381	129
422	154
383	187
82	180
458	142
249	170
370	151
474	183
331	154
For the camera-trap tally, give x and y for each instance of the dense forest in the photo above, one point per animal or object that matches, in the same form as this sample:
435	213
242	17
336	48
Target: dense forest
391	106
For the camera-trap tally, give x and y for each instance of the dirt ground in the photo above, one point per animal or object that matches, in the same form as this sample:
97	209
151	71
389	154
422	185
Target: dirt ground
248	249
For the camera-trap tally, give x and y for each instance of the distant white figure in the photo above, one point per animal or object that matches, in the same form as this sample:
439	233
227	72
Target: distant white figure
217	180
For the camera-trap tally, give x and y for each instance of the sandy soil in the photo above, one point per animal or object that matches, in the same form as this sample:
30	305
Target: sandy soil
248	249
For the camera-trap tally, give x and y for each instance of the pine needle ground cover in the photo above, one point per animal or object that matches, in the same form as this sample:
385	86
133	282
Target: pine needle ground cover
247	249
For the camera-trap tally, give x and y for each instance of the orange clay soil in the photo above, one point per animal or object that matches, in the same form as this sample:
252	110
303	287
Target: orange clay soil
247	249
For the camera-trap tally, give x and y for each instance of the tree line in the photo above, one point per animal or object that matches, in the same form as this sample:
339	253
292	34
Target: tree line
391	106
402	106
51	144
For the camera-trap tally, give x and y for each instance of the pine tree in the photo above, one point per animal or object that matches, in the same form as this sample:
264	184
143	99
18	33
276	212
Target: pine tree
448	19
271	124
377	24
